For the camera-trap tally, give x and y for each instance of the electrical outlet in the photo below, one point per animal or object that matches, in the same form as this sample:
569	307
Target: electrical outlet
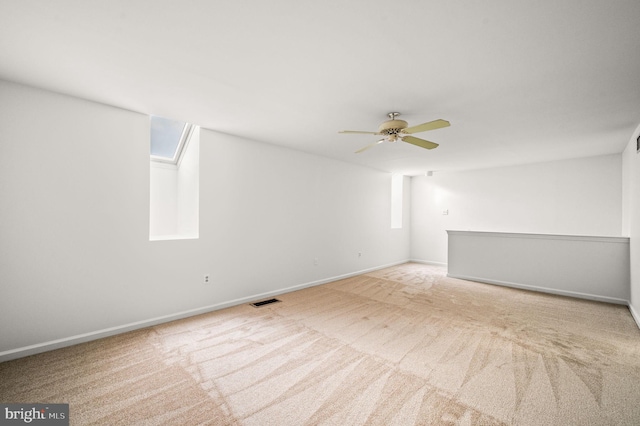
359	254
315	261
205	279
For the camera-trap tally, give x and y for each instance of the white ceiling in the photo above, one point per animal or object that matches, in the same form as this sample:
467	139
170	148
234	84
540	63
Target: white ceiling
520	81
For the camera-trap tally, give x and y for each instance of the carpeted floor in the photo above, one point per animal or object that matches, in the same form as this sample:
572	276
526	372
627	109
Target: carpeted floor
404	345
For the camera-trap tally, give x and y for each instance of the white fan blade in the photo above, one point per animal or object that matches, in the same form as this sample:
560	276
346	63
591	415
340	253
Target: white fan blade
360	132
369	146
420	142
432	125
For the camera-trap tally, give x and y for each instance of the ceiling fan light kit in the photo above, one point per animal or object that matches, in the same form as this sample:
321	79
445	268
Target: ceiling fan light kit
395	129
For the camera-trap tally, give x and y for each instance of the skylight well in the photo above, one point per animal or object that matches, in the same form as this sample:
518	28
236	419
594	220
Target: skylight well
174	180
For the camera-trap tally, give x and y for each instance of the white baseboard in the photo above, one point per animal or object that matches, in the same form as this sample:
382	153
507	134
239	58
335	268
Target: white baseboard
634	314
429	262
575	294
112	331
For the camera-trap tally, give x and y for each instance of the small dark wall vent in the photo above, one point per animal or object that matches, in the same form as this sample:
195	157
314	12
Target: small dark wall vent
264	302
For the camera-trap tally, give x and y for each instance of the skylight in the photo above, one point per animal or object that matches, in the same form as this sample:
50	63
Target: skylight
168	138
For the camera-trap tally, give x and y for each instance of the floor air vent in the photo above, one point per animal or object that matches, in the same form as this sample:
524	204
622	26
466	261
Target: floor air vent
265	302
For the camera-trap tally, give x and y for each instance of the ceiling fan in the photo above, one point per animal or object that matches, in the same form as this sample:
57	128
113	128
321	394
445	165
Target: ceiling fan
394	129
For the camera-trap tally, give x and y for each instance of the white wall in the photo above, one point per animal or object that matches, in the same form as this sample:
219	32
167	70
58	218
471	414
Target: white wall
574	197
163	198
75	257
631	215
288	208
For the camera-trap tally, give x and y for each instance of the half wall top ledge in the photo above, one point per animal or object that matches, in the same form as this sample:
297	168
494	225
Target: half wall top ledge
568	237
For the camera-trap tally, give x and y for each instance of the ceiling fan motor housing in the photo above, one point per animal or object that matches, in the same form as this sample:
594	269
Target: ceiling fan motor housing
392	127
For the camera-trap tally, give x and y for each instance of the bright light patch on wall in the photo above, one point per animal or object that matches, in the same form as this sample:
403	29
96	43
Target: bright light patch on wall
396	201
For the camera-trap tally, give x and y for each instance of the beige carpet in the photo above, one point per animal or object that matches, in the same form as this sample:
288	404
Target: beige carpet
400	346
